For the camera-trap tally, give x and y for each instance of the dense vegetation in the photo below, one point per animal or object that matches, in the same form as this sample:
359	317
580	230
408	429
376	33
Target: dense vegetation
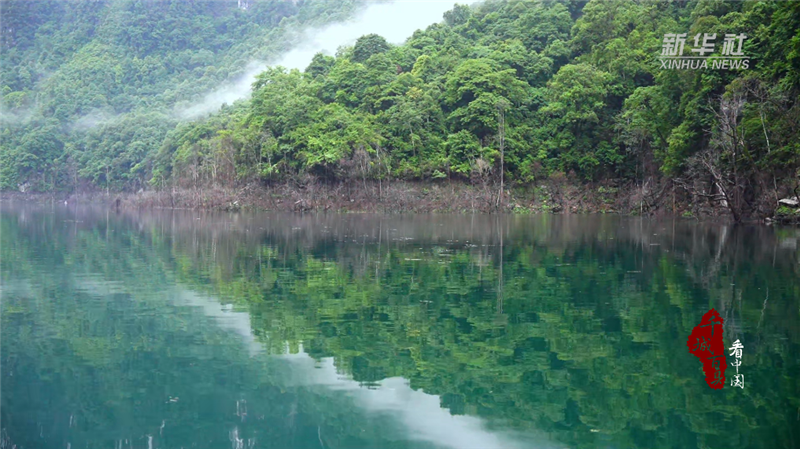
91	88
530	90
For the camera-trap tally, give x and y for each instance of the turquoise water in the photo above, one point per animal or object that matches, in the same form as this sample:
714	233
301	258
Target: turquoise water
215	330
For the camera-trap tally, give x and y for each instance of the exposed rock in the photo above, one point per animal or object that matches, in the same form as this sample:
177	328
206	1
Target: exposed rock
791	202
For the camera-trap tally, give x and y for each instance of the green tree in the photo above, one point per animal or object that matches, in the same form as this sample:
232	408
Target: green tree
368	45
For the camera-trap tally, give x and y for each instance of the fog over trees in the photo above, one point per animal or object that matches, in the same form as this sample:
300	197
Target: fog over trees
95	95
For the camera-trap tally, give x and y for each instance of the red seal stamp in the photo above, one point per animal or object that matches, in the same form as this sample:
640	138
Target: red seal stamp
705	343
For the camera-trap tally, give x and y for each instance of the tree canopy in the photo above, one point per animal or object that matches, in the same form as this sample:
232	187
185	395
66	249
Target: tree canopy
585	92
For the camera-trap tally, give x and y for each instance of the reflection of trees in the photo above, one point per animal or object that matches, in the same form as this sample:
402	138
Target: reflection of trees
94	372
590	344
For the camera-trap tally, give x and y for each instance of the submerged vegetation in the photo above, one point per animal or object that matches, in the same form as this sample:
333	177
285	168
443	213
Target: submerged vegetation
518	91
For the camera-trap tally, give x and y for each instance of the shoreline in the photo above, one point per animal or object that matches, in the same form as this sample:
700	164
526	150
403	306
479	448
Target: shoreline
405	197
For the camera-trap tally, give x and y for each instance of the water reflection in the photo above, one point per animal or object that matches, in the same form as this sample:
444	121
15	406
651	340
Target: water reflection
419	416
187	329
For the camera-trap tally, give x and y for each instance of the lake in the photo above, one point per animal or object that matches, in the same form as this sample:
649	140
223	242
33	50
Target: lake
184	329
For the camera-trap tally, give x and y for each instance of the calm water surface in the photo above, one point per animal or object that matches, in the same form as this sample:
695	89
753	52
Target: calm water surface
216	330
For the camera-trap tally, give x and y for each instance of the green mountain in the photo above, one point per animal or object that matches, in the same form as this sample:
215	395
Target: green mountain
90	88
535	90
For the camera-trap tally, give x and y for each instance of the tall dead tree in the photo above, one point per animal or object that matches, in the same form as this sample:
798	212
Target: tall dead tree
728	144
501	135
720	160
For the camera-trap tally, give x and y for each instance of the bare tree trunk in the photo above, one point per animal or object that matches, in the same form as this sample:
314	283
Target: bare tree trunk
502	155
501	122
720	159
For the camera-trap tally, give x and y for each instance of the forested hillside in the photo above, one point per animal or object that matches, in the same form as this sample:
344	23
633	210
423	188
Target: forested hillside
523	91
90	88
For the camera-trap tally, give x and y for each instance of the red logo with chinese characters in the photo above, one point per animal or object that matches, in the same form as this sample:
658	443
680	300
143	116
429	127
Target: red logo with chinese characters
705	342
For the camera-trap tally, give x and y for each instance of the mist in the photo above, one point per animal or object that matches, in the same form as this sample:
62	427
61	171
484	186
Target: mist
395	21
18	117
92	120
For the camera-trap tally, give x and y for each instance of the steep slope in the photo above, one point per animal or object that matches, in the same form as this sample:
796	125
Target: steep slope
69	67
534	91
523	91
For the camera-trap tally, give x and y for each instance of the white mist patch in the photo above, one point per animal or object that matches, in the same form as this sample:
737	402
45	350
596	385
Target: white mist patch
19	117
226	94
92	120
395	21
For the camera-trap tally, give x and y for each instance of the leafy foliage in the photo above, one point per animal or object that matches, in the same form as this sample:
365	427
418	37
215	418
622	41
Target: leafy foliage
585	94
108	79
